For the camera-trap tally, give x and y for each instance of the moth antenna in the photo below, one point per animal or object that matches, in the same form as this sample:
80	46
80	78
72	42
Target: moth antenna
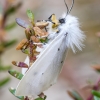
71	6
62	20
66	7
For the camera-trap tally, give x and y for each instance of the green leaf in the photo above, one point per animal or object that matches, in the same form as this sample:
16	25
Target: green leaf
16	74
96	93
30	15
10	26
44	40
96	98
25	51
4	81
41	98
45	97
4	68
12	90
9	43
75	95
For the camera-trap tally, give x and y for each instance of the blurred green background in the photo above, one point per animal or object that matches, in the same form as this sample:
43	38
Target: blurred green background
78	67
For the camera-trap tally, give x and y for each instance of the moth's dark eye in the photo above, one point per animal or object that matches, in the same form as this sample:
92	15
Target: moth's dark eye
62	21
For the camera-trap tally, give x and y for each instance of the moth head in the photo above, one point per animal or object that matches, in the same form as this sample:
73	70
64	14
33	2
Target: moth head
62	20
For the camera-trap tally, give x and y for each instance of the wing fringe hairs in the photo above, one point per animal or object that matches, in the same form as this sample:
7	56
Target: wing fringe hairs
44	72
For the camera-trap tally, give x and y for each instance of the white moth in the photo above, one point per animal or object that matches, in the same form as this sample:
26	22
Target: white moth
44	72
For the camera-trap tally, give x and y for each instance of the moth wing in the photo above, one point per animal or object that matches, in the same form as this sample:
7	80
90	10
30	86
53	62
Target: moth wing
37	79
27	62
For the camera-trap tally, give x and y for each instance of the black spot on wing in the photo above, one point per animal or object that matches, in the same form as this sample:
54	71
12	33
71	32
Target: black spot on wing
58	49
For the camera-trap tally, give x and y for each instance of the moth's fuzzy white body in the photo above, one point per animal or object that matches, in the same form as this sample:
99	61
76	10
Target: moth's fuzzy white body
46	69
75	36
